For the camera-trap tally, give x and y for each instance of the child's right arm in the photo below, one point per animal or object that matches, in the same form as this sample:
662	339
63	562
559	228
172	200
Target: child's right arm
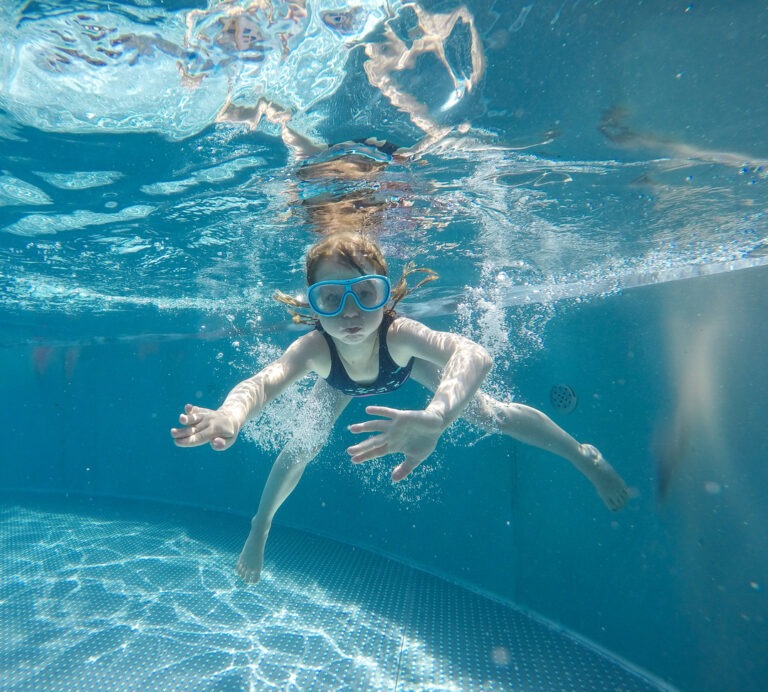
220	427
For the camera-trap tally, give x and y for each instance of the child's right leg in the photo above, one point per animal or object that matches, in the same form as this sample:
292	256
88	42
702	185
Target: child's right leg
323	407
531	426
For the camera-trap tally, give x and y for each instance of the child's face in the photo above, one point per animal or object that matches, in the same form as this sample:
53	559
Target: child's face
352	325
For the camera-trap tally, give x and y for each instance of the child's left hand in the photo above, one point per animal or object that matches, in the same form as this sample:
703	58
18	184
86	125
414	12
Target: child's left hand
413	433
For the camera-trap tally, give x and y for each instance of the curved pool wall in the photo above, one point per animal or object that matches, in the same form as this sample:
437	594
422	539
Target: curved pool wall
671	382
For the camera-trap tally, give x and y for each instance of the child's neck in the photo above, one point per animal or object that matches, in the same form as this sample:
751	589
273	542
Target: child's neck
360	354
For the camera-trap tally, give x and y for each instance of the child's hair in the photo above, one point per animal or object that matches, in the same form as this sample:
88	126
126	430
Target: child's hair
353	250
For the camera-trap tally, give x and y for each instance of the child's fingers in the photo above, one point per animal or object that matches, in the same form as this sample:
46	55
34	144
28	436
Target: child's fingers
183	433
369	449
382	411
369	426
194	414
402	470
187	418
374	453
356	449
378	425
220	443
186	438
195	428
191	410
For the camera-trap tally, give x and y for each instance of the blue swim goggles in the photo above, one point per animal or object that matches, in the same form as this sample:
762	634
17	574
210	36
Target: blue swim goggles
371	292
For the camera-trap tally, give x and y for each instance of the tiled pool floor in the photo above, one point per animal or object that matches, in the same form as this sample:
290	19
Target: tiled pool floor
97	595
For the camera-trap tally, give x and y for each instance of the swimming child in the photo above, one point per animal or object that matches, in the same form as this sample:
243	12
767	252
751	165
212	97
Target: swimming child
361	347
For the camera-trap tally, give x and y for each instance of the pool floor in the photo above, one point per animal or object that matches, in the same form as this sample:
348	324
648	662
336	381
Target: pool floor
114	595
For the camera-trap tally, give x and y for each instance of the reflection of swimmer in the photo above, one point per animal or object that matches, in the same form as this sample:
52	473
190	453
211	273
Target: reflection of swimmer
338	186
692	431
248	30
386	56
393	54
361	347
225	34
259	58
613	125
342	188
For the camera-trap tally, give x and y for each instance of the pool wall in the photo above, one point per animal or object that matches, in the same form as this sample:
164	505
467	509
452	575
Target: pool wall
671	383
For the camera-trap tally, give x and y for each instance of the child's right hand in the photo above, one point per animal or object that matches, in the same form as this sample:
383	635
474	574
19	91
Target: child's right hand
203	425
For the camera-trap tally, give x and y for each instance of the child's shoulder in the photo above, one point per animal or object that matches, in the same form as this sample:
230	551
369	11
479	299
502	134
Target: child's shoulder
404	332
405	325
308	344
312	349
407	337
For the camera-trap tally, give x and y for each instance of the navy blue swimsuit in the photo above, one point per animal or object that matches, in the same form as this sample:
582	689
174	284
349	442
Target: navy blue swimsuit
391	375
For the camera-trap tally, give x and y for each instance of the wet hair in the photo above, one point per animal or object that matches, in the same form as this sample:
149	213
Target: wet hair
354	250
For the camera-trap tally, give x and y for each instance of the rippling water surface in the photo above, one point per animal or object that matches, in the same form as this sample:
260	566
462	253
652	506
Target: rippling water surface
169	156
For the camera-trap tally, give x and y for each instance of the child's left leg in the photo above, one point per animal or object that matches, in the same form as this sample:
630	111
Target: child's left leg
531	426
535	428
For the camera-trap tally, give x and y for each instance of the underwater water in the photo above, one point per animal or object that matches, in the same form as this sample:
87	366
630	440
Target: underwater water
588	180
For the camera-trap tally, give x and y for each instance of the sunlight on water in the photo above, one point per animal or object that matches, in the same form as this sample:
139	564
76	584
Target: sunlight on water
108	601
36	224
75	180
15	191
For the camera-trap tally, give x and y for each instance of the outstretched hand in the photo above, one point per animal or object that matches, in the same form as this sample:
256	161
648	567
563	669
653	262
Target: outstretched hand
203	425
413	433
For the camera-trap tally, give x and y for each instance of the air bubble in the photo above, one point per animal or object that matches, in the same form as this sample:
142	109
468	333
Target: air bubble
500	656
713	488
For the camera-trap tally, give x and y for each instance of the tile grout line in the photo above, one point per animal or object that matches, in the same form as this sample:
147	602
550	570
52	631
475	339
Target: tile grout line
404	630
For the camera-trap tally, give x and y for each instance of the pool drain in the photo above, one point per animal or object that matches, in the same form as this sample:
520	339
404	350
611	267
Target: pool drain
563	398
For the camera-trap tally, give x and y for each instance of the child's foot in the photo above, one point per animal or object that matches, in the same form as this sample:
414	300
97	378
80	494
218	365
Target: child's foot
251	559
609	485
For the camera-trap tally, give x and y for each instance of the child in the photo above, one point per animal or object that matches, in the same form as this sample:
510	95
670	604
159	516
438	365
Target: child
361	347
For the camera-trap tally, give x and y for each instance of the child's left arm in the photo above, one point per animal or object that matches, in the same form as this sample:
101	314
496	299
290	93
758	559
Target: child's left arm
464	365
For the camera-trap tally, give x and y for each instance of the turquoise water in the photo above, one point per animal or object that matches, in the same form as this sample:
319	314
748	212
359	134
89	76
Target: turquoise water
588	180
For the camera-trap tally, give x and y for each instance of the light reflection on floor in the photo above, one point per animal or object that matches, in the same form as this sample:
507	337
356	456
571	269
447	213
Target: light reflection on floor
119	596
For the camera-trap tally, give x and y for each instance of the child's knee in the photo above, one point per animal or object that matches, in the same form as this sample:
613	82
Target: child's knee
502	419
509	417
302	451
486	414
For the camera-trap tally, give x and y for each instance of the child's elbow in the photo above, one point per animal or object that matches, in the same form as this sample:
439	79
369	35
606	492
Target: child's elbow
484	360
